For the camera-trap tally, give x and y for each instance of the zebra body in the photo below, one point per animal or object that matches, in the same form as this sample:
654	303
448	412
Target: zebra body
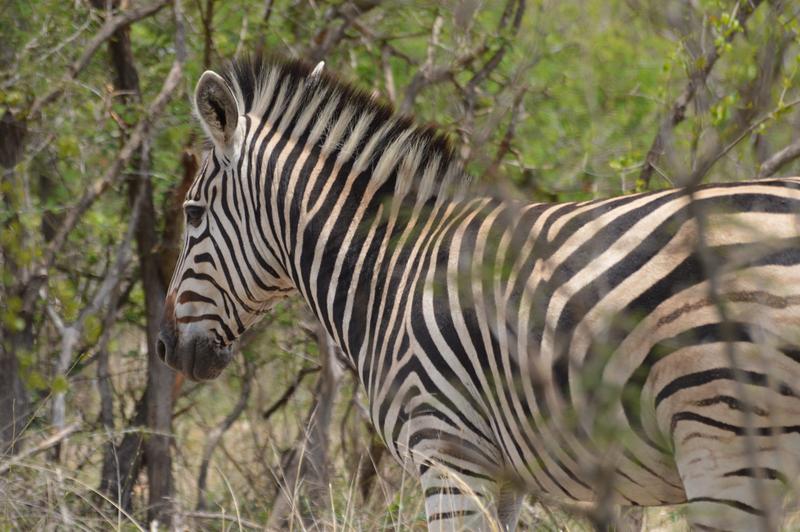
571	350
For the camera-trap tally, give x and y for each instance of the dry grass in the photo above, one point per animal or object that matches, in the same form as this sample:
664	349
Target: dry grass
38	494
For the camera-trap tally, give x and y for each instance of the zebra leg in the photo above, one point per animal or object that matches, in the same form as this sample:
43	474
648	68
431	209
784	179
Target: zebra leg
455	502
509	503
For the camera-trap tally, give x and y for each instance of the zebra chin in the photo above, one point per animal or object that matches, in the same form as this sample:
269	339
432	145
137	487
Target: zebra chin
199	358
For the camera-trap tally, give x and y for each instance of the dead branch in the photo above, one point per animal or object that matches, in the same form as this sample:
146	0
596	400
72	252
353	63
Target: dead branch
48	443
430	74
779	159
506	142
470	91
327	39
284	398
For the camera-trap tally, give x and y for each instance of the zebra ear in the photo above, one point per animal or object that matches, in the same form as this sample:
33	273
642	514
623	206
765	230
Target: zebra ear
216	107
317	72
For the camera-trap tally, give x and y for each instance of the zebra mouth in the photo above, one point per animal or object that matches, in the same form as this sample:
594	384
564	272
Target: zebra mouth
208	361
198	358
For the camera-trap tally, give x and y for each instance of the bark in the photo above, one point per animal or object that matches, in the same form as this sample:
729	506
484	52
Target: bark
122	462
160	377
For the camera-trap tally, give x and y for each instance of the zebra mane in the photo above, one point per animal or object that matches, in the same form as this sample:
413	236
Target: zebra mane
423	160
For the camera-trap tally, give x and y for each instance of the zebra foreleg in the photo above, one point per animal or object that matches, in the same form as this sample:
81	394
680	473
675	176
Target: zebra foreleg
509	503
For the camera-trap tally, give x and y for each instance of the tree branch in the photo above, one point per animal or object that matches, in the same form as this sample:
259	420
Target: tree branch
50	442
705	165
114	172
779	158
696	79
283	399
111	26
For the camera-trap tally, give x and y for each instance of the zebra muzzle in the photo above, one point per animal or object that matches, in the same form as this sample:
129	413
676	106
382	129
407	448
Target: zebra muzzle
198	358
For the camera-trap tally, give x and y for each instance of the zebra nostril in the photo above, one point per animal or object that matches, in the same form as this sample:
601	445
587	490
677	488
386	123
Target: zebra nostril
161	349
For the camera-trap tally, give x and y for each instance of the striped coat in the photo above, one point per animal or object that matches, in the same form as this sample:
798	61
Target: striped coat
640	350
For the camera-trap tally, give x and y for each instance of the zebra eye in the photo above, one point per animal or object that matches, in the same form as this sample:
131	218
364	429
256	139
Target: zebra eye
194	214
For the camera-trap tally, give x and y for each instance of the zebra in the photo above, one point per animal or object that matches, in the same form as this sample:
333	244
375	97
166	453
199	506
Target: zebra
570	351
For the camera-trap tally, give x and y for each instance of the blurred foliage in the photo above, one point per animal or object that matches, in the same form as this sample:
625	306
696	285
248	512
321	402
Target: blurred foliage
596	79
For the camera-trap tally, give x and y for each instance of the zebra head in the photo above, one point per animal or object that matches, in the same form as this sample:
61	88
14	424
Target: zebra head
227	275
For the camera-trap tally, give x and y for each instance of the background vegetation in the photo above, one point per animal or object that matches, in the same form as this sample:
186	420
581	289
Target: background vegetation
547	99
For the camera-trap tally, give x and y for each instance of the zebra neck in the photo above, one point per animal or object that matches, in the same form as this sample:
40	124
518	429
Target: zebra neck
351	219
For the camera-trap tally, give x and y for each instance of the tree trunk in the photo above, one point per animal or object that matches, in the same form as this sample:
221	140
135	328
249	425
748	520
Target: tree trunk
156	404
14	403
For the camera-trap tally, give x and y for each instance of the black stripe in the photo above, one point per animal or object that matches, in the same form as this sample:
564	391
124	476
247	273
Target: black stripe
451	515
739	505
758	472
450	490
704	377
757	431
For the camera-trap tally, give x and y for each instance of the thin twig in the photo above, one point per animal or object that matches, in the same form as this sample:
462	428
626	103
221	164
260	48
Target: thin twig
120	21
289	391
704	166
48	443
